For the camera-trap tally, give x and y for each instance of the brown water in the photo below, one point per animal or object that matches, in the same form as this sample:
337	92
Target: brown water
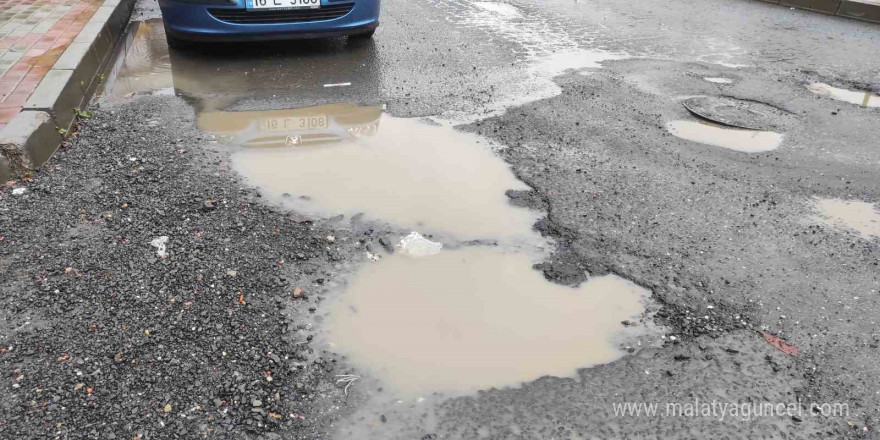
474	318
320	125
855	215
410	173
862	98
147	65
746	141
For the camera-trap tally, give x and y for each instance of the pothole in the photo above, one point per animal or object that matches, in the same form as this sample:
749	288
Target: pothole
454	319
860	98
348	160
476	318
854	215
746	141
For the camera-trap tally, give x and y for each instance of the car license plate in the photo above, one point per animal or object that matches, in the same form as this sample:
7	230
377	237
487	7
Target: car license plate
283	4
294	123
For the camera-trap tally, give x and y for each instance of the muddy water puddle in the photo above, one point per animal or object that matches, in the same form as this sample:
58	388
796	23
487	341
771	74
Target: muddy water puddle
860	98
455	321
454	317
746	141
147	63
474	318
854	215
459	318
408	172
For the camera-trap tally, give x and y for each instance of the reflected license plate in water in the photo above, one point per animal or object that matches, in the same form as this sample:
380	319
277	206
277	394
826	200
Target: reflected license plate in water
294	123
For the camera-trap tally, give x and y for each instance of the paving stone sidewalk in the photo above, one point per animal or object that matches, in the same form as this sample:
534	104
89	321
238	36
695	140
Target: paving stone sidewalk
33	35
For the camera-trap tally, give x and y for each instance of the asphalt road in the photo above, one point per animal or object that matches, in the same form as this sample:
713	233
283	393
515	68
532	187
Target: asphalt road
754	294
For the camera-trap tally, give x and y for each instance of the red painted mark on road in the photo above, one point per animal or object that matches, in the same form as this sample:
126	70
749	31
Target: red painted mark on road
780	344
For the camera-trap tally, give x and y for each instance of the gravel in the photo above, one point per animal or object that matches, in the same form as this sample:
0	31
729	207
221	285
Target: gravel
103	338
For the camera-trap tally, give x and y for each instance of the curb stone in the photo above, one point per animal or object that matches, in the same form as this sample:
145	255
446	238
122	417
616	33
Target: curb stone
26	142
826	6
5	174
868	10
865	10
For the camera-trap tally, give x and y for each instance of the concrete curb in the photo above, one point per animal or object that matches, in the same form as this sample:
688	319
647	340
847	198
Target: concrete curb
5	174
860	10
23	142
26	142
866	10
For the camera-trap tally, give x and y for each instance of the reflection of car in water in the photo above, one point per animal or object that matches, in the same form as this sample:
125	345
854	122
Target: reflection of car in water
325	72
248	20
245	97
295	127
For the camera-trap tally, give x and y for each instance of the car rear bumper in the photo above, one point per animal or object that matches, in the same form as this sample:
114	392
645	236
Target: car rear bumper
269	36
205	22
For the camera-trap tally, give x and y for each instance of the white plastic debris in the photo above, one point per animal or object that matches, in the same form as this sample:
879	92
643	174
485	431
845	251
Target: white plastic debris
19	191
347	379
159	243
415	245
373	257
719	80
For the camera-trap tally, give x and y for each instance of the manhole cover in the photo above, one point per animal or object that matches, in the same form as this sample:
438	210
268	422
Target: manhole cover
738	113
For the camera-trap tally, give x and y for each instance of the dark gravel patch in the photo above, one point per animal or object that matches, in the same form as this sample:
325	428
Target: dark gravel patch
104	339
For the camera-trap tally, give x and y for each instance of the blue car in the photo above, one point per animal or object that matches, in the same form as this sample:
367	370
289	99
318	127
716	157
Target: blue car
245	20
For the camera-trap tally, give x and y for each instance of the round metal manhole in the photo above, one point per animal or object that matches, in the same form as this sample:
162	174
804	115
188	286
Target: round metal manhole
751	115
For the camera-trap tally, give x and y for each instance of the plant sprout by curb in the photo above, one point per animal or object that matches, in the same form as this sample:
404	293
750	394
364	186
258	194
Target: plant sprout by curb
85	114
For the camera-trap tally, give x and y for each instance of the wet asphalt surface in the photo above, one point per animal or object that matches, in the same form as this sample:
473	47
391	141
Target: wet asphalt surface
103	338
